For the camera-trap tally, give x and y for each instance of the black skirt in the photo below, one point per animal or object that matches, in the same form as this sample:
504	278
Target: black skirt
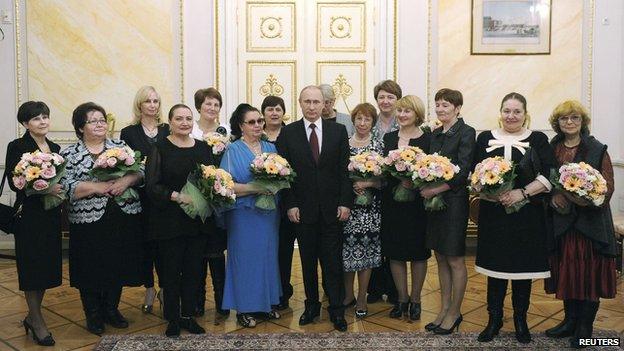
38	249
106	253
446	229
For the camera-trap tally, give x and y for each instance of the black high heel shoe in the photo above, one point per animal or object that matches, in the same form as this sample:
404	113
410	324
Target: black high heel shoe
48	340
441	331
399	309
431	326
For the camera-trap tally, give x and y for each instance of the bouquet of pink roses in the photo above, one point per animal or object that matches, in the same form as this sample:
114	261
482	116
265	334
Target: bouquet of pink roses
494	176
581	182
217	141
400	164
115	163
210	188
433	170
37	172
272	173
365	166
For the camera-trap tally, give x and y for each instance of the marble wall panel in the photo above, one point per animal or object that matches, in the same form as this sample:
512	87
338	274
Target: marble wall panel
545	80
101	51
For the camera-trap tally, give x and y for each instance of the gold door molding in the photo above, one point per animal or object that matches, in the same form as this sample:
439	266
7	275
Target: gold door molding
271	26
341	26
277	78
347	78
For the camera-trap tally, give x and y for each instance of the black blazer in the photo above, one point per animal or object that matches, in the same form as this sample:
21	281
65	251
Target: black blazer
458	144
135	137
15	149
318	190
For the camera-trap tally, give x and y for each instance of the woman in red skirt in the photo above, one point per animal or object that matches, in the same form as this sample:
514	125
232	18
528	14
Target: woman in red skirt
583	260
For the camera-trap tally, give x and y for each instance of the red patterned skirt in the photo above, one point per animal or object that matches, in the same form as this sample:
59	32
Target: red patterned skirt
577	272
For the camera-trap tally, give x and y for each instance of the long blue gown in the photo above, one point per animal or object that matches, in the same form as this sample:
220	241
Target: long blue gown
252	280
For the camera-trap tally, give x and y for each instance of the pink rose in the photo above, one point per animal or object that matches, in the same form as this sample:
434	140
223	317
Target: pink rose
48	173
423	173
45	157
129	161
218	149
111	162
36	160
258	162
19	182
284	171
40	184
400	166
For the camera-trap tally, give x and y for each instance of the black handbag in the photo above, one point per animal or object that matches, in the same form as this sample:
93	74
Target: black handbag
9	215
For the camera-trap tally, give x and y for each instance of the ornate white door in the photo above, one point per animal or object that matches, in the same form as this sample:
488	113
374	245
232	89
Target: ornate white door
283	46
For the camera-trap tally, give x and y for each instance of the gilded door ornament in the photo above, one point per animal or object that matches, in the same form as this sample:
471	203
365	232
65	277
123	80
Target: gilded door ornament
271	87
271	27
340	27
111	119
342	89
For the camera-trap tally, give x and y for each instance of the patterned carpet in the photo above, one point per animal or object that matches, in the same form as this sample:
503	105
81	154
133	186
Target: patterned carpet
331	341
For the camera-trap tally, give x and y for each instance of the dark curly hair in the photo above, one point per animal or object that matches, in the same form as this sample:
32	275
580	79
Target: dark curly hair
238	117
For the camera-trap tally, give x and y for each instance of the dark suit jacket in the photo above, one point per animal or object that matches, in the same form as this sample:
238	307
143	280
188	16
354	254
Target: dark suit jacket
458	144
318	190
135	137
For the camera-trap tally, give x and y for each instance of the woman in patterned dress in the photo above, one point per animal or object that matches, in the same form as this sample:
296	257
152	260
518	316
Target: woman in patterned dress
361	250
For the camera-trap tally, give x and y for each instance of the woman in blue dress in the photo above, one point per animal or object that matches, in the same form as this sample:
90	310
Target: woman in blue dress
252	280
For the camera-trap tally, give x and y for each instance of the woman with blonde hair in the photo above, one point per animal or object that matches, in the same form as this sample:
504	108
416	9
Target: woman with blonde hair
403	237
141	135
582	264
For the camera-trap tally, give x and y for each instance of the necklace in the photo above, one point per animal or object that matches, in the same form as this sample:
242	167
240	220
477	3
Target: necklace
256	148
150	132
360	142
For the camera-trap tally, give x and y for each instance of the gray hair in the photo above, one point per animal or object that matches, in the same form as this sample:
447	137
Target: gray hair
327	91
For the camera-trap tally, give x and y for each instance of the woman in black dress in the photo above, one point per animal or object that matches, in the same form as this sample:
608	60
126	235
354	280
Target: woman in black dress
38	238
403	236
105	244
273	109
583	259
513	246
144	132
446	229
180	242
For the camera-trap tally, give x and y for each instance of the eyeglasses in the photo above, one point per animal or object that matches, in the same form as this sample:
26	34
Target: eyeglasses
97	121
565	119
253	122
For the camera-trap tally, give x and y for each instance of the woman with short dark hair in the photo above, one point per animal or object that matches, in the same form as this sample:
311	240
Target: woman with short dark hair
105	245
181	244
38	236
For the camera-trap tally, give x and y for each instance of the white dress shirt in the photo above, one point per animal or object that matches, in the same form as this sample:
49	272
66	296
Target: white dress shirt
319	131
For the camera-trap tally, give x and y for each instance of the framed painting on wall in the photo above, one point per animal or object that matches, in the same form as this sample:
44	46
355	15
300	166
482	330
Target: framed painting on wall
510	27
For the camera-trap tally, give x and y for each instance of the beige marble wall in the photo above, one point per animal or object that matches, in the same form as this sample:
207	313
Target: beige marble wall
545	80
101	51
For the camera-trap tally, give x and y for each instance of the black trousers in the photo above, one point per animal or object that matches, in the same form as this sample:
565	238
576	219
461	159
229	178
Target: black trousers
100	301
285	255
322	241
150	261
181	266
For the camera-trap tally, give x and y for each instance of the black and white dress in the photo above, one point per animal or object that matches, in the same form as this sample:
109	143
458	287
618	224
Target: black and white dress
362	243
513	246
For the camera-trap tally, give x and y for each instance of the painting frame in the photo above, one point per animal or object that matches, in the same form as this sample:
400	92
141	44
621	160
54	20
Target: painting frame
510	27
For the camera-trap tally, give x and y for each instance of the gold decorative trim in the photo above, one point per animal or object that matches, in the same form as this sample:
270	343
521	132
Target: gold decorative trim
181	14
396	40
293	70
271	87
359	63
590	53
342	89
18	61
363	20
217	82
337	31
293	26
271	27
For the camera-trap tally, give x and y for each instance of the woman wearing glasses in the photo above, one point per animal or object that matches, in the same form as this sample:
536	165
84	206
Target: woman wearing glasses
512	246
105	243
583	262
252	278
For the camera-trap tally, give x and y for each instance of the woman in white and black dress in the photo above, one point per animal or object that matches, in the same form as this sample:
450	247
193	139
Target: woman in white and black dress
513	246
361	251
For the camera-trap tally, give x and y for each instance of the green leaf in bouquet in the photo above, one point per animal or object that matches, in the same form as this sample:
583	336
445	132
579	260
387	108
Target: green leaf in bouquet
128	195
198	206
516	207
51	201
435	203
364	199
403	194
266	202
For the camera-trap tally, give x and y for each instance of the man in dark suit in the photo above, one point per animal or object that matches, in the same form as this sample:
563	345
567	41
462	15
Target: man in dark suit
319	200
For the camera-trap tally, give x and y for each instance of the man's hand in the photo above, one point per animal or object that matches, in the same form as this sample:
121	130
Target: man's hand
293	215
343	213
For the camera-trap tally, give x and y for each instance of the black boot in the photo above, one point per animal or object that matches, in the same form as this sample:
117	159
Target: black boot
217	272
111	312
496	290
399	309
568	324
414	311
91	303
520	297
585	323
